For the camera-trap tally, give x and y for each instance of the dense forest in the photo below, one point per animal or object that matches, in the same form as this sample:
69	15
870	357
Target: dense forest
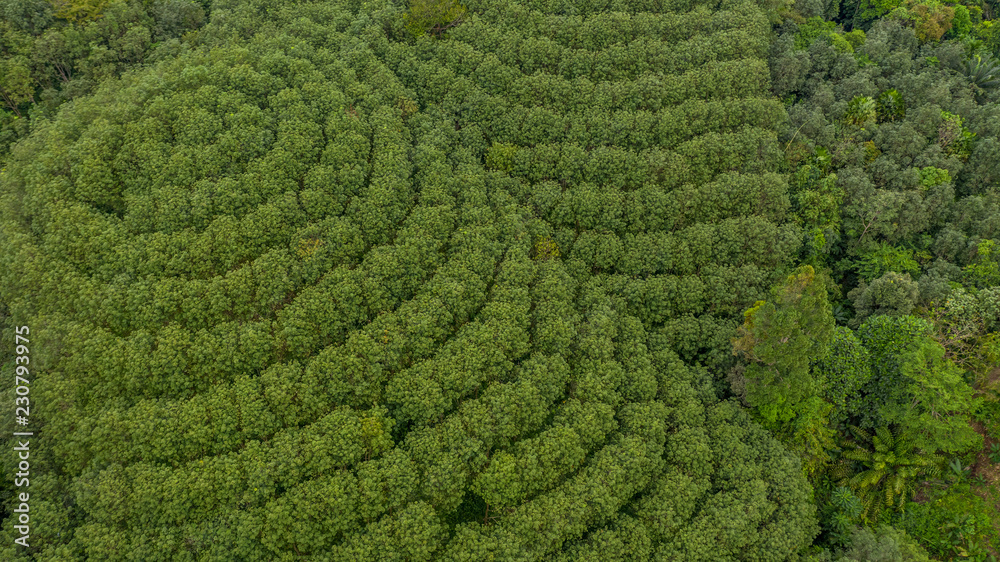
501	280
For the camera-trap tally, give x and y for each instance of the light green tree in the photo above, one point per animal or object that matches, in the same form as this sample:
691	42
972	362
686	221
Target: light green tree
779	339
937	416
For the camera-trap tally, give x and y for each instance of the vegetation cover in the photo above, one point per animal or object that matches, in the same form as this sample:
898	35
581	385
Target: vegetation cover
505	280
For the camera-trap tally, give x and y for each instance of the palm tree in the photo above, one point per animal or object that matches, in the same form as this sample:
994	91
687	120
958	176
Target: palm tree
860	111
983	73
892	470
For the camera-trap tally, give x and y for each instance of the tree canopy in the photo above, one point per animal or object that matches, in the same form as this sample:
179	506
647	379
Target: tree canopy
324	286
509	280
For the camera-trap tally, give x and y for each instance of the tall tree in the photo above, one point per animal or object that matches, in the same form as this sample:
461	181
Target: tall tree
779	339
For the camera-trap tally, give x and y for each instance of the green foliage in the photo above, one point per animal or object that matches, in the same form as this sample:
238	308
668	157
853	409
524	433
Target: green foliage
989	32
842	516
884	544
872	152
31	16
778	340
546	249
931	177
891	196
809	434
917	209
845	369
52	53
953	137
983	72
994	453
953	524
297	313
961	23
864	60
291	262
78	11
840	44
915	387
856	37
501	157
860	111
17	88
930	19
984	271
408	107
959	472
892	294
814	28
937	417
433	16
888	339
817	199
963	327
871	10
890	106
887	258
890	468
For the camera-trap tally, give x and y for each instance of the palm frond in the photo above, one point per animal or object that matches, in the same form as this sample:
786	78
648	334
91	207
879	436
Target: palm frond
897	484
858	455
868	478
871	507
933	470
902	446
984	73
860	433
883	440
840	470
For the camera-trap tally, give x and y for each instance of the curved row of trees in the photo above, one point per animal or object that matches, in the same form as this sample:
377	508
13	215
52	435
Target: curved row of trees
357	296
590	280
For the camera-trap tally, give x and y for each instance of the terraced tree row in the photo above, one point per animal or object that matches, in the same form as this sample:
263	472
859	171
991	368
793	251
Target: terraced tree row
319	288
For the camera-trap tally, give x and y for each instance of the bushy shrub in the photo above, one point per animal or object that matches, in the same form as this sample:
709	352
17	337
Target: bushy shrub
884	544
954	523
